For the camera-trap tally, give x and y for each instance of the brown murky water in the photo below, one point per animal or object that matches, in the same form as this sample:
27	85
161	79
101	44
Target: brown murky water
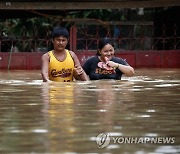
37	117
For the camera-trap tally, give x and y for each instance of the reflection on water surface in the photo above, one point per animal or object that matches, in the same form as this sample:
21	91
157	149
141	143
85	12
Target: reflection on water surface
66	117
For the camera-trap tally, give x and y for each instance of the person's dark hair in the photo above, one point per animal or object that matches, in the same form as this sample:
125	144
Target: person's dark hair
102	43
60	31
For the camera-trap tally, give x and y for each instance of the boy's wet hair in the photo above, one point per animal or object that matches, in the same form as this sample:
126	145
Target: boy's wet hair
60	31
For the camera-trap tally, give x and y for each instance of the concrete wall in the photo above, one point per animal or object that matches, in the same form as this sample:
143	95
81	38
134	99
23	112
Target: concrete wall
137	59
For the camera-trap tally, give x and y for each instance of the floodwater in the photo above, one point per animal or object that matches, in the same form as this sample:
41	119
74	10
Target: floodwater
37	117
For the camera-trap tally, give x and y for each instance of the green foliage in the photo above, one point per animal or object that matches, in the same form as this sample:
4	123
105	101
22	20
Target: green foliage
29	31
24	31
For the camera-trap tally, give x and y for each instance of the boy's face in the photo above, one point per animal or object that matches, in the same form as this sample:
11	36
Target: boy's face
60	43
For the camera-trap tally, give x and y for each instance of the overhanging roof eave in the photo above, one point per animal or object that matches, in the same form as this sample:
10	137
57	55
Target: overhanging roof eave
86	5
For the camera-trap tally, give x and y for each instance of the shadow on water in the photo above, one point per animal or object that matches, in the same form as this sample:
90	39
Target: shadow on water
67	117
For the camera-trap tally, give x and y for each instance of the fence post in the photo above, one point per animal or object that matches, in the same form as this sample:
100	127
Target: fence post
73	38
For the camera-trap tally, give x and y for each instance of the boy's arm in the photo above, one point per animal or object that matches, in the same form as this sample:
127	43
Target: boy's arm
79	73
45	67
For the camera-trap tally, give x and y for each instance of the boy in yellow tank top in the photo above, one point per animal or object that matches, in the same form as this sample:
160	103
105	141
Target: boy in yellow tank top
61	64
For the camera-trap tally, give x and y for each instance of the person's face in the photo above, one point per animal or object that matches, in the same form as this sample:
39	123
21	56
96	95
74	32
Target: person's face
60	43
107	51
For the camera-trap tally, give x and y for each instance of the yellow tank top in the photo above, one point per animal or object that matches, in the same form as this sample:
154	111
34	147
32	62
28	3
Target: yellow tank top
61	71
